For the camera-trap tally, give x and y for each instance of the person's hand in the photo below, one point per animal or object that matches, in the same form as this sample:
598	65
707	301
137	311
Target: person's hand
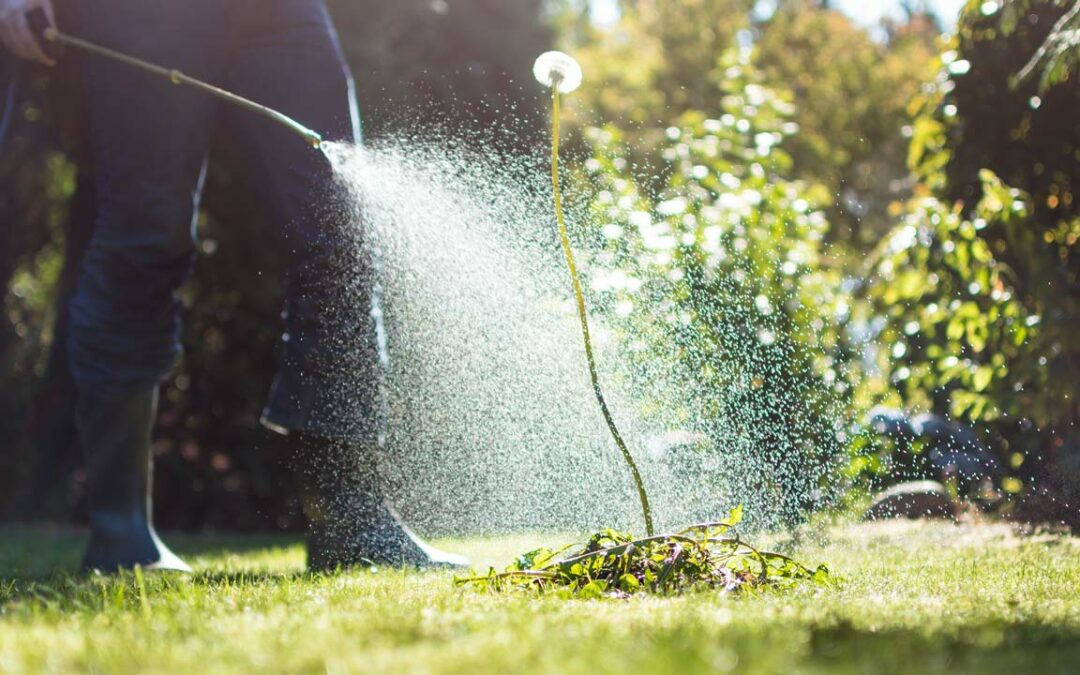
15	32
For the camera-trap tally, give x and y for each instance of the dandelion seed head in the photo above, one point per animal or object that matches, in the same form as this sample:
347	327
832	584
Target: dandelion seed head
558	69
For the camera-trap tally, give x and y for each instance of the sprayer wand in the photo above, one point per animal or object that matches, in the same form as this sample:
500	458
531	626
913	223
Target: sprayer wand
49	35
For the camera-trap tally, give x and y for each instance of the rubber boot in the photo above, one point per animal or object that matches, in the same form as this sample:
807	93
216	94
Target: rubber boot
349	521
115	433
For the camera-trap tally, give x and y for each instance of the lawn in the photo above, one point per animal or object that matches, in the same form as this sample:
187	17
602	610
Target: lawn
908	598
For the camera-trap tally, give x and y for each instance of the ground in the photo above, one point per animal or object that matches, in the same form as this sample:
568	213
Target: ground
908	598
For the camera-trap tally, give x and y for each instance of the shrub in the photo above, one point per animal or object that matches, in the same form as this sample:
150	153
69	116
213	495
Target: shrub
723	300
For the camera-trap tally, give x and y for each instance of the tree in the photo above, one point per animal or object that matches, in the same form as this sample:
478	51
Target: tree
659	61
979	282
851	94
980	114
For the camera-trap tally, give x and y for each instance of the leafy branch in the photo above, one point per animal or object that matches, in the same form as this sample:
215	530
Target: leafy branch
613	564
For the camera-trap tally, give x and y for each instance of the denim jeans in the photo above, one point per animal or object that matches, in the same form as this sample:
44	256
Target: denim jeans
150	141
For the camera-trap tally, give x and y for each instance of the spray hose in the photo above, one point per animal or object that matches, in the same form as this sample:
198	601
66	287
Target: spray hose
50	36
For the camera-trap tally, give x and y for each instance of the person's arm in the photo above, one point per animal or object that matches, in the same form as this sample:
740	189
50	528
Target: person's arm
15	32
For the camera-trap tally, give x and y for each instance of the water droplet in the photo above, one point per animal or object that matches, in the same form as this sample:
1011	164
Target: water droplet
959	67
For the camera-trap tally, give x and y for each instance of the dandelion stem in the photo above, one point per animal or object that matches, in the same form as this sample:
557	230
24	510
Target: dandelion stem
579	295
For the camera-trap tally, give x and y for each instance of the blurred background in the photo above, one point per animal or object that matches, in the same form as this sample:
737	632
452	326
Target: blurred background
922	155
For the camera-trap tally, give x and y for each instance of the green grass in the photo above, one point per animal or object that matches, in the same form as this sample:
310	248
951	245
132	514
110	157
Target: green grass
910	598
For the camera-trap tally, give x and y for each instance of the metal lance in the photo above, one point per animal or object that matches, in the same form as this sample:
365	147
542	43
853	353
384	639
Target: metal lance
49	36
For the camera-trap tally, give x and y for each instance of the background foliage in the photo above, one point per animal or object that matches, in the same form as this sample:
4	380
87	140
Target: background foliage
978	282
719	277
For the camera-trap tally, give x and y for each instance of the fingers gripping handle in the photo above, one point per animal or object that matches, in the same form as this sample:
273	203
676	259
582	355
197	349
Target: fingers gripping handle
43	31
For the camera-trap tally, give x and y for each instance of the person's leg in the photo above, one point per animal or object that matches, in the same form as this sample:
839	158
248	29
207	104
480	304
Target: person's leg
149	141
285	55
326	395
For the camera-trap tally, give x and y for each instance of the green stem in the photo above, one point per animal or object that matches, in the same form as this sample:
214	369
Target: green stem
579	295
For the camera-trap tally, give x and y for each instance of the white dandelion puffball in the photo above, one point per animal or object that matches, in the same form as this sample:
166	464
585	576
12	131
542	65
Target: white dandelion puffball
557	69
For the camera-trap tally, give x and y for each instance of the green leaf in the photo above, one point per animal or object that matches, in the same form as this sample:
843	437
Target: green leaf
736	516
533	559
593	590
